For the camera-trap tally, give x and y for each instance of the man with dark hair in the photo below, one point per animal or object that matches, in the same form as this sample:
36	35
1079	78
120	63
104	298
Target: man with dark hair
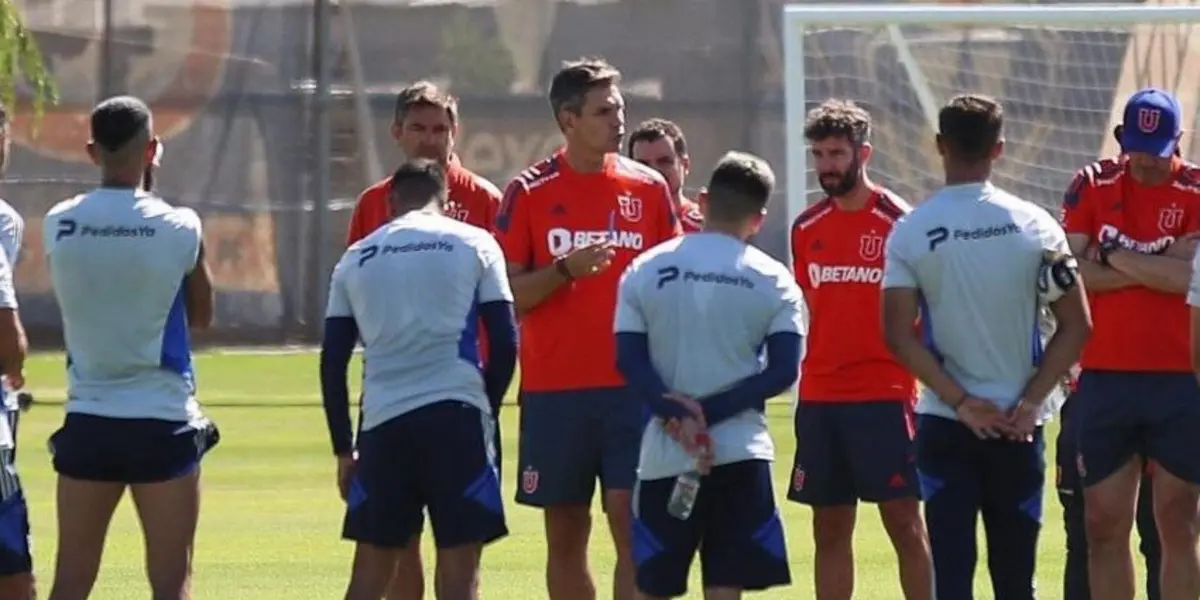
1137	401
130	278
854	417
707	389
409	291
425	126
569	225
1070	484
970	262
660	145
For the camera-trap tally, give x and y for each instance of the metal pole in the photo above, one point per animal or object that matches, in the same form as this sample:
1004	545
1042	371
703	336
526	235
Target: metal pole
323	18
106	51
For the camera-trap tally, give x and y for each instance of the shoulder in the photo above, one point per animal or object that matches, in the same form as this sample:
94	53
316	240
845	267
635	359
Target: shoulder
656	255
690	216
377	192
1103	173
636	173
766	265
1187	178
9	215
813	214
472	183
535	176
65	207
889	206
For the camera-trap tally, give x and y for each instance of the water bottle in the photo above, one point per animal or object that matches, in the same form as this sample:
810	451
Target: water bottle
687	487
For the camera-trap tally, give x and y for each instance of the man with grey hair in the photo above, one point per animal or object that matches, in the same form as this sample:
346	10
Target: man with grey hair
703	380
130	279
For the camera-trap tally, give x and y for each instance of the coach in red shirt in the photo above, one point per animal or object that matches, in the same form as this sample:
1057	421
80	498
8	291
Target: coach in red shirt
425	125
660	145
1137	398
569	226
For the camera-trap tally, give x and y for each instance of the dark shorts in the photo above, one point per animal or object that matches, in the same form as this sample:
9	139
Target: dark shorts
568	439
15	556
846	452
734	524
438	457
1125	414
130	451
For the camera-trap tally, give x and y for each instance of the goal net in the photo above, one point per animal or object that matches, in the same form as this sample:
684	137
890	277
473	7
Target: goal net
1062	73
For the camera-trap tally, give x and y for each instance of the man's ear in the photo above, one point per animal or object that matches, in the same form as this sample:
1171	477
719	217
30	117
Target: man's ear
1117	131
91	150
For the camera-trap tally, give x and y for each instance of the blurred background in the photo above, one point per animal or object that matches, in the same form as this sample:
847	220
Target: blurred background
275	113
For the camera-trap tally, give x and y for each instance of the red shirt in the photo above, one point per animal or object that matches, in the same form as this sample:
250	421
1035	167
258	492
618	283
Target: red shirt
1135	328
567	341
691	220
838	261
473	200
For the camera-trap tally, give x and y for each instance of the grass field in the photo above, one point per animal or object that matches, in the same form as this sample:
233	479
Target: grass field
271	514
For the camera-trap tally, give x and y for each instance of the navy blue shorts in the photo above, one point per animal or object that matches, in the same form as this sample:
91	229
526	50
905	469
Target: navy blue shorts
568	439
734	524
438	457
846	452
92	448
1126	414
15	556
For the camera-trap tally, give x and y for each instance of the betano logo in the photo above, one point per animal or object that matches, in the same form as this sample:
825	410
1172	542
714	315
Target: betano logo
561	241
820	275
176	71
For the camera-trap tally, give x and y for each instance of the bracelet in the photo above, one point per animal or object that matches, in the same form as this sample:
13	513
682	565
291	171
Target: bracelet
560	265
957	404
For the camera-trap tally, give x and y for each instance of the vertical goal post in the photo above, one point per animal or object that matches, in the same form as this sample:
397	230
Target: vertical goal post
801	19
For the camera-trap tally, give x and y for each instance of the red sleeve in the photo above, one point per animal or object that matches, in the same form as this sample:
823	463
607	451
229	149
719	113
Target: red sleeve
490	196
668	222
799	260
1078	212
358	227
513	229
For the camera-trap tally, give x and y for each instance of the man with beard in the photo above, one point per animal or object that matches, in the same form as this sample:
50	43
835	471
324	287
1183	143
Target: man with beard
660	145
854	419
569	226
425	126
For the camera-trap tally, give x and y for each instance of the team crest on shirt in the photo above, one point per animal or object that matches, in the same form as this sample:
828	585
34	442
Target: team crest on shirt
1169	219
630	207
798	478
529	480
1148	119
870	246
455	210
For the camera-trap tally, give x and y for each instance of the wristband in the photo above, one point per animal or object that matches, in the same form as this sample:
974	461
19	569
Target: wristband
957	404
560	265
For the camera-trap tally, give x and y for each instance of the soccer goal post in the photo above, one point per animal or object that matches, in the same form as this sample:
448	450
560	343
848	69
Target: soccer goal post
1061	71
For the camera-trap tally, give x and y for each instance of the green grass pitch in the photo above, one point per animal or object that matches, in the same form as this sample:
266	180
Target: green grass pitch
271	515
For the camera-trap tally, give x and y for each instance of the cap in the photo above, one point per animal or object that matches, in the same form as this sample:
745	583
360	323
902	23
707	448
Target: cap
117	120
1152	123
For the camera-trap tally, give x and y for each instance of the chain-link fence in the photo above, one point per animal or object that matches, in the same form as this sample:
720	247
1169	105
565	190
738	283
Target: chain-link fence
232	86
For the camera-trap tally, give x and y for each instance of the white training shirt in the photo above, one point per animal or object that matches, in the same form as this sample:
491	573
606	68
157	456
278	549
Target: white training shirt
12	234
413	288
974	252
118	258
707	302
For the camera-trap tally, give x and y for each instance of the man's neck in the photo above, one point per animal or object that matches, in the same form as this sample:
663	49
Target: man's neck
583	161
735	231
857	198
120	181
680	200
968	174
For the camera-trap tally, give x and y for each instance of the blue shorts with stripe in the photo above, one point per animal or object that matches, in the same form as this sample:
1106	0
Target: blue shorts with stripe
438	457
15	552
130	451
734	524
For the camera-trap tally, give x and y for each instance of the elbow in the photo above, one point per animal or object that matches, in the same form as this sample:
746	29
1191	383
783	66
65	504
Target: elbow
200	320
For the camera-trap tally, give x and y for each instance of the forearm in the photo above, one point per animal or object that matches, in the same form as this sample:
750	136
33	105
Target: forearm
336	349
1160	273
633	361
752	393
1100	278
500	324
1061	353
532	288
13	349
926	367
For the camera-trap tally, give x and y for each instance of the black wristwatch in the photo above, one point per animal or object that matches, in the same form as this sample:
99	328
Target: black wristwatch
1107	247
560	265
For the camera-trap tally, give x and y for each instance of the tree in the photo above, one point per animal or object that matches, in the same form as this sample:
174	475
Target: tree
20	58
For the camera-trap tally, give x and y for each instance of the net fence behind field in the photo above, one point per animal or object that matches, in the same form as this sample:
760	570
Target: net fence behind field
232	86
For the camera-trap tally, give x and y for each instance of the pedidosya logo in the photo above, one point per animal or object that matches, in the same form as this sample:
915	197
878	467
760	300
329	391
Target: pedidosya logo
176	67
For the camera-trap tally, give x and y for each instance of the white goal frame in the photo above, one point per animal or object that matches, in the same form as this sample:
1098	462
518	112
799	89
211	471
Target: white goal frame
797	19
